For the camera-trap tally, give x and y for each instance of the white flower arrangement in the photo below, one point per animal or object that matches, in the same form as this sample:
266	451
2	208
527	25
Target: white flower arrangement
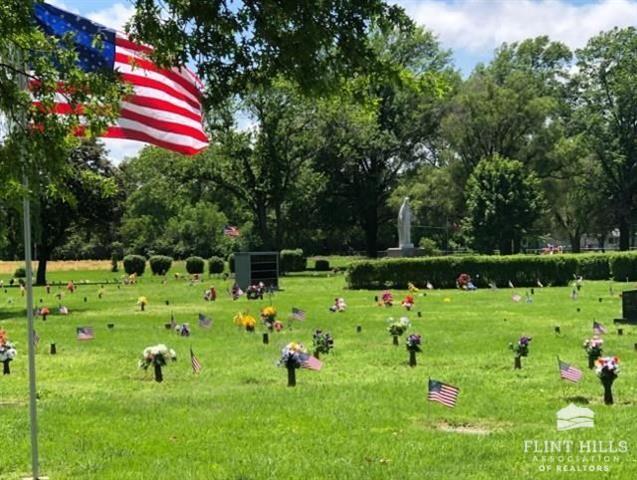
157	355
7	352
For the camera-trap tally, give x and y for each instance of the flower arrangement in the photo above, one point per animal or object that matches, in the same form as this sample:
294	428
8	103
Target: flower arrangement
157	356
593	347
210	295
398	327
520	349
463	280
255	292
412	288
183	330
142	302
278	326
70	287
607	369
292	357
339	305
268	316
322	342
413	346
245	320
7	352
44	311
387	299
408	302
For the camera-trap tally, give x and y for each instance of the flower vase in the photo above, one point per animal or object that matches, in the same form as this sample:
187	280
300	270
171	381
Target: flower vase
159	377
395	340
6	370
291	376
249	328
44	318
53	350
316	354
266	338
517	363
607	382
412	358
142	306
591	362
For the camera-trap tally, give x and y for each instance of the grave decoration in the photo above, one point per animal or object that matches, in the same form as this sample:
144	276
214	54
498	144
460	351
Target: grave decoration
142	302
607	369
158	356
268	317
408	302
245	320
413	346
520	349
322	342
398	327
593	347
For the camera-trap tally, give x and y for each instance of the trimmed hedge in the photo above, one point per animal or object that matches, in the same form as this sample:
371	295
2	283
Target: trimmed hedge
160	264
292	261
322	265
195	265
521	270
231	262
134	264
20	272
215	265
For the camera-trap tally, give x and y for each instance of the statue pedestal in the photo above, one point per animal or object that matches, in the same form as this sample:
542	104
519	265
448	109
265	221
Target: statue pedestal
404	251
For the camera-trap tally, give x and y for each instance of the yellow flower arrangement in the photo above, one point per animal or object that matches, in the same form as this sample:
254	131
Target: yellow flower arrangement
244	320
142	301
269	312
412	288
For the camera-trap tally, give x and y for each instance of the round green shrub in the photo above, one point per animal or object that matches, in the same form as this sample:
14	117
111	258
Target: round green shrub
160	264
215	265
428	247
292	261
134	264
195	265
20	272
322	265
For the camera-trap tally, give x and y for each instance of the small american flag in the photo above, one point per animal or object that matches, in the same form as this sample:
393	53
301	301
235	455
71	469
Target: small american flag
85	333
173	323
298	314
307	361
204	321
569	372
231	231
430	286
196	364
539	284
598	328
511	284
442	393
64	310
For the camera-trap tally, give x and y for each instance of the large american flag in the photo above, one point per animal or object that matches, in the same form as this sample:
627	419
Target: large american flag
442	393
231	231
85	333
164	108
310	362
569	372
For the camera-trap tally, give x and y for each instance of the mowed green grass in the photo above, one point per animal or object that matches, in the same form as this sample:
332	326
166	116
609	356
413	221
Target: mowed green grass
364	416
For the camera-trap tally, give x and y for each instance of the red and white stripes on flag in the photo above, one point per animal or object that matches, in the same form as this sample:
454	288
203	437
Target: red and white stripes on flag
165	106
442	393
569	372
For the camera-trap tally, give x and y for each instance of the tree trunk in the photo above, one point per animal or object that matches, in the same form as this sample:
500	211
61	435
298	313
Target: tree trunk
517	363
370	225
40	278
624	233
505	246
575	239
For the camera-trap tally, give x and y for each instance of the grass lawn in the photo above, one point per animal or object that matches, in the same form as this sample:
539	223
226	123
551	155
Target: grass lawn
364	416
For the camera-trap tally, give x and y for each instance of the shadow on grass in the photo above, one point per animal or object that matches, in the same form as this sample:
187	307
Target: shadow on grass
578	399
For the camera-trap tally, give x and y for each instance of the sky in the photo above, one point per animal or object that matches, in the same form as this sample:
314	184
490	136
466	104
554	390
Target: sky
472	29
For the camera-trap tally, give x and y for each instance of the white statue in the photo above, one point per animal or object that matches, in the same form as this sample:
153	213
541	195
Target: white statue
404	225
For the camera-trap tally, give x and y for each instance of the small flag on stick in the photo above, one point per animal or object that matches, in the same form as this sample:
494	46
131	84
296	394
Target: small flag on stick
310	362
298	314
598	328
442	393
196	364
430	286
204	322
569	372
511	284
85	333
231	231
539	284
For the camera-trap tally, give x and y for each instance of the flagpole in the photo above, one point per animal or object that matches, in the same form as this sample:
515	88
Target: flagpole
33	414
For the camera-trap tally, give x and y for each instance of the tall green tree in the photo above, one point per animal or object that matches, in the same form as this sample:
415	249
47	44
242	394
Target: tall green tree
382	126
608	116
242	45
503	202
